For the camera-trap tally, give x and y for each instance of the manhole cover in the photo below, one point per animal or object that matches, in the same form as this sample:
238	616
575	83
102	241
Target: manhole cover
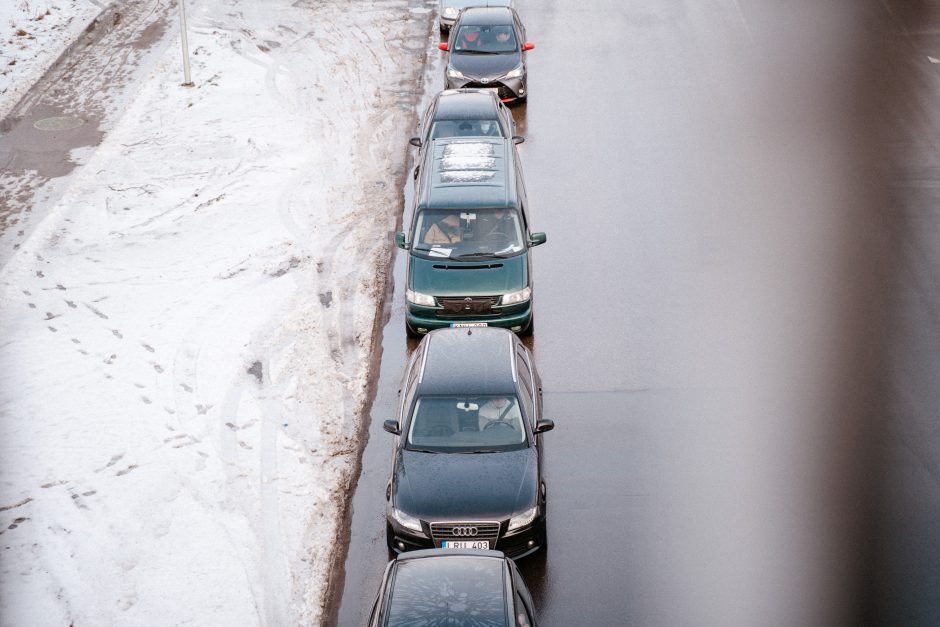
58	123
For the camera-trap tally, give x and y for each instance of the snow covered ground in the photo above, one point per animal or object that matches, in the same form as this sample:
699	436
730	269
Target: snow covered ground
33	34
186	334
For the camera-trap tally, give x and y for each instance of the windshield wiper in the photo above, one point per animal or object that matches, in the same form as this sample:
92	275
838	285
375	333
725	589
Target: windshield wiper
421	450
474	52
478	255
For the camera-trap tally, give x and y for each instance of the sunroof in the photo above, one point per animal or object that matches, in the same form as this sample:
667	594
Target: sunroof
467	162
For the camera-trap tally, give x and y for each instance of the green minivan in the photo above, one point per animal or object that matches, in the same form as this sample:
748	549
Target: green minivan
469	261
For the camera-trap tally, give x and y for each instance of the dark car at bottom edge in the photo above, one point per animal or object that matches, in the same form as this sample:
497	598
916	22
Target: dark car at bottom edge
461	587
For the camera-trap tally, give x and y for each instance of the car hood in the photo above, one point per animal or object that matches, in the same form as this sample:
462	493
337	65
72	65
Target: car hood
451	486
489	277
485	65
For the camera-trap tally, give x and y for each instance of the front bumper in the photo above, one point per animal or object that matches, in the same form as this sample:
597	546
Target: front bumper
422	320
508	89
518	544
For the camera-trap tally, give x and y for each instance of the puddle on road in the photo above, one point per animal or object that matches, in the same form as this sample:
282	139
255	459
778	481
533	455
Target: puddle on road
40	142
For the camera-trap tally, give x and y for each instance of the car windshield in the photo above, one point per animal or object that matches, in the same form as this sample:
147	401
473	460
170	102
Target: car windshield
485	40
465	128
466	424
468	234
453	590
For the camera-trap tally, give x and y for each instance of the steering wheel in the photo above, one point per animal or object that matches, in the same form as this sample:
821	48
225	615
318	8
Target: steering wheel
502	424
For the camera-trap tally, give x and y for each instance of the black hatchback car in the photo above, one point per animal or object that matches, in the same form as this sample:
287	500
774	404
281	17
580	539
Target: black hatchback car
464	113
488	49
462	587
467	464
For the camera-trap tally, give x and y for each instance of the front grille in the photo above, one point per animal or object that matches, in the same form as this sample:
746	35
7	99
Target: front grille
504	92
469	306
484	531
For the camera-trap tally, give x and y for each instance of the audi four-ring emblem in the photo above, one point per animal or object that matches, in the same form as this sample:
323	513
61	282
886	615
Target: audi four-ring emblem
465	532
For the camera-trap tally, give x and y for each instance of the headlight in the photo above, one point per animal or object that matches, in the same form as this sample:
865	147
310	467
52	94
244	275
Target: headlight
521	520
418	298
516	73
452	73
517	297
451	12
406	521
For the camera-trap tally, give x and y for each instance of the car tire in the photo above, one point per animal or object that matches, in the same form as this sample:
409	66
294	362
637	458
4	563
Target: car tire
527	332
390	540
411	333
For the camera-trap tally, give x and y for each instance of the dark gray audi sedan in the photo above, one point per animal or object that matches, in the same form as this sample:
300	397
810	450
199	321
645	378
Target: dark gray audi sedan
488	49
460	587
467	463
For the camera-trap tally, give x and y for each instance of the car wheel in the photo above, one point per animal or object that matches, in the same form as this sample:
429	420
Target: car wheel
390	540
526	332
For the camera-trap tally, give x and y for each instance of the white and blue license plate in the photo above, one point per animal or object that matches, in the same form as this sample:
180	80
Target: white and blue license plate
465	544
460	325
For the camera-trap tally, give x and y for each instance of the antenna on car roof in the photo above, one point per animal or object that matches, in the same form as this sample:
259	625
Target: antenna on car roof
469	331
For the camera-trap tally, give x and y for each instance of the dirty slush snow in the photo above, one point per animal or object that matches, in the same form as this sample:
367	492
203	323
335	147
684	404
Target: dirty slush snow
187	333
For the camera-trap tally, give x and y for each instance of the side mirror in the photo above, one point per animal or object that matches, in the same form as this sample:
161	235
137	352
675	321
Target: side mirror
415	141
392	426
537	239
541	426
518	139
400	240
528	46
443	47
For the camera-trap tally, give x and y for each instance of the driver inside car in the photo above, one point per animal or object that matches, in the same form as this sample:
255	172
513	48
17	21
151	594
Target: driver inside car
499	409
494	225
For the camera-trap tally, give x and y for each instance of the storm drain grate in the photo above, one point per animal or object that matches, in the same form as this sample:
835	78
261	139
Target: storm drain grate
62	123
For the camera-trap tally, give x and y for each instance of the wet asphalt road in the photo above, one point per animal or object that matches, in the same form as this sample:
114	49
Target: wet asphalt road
658	512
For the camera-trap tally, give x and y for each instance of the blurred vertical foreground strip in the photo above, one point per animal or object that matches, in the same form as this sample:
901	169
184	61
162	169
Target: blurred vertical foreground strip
778	505
904	573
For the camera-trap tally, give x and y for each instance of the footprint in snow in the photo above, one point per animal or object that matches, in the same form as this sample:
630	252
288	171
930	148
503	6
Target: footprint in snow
121	473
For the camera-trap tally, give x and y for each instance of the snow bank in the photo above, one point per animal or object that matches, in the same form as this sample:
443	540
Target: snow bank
186	339
33	34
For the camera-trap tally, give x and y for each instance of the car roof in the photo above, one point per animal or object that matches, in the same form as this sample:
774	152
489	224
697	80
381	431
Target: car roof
486	16
466	104
463	4
477	360
475	578
433	553
467	173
